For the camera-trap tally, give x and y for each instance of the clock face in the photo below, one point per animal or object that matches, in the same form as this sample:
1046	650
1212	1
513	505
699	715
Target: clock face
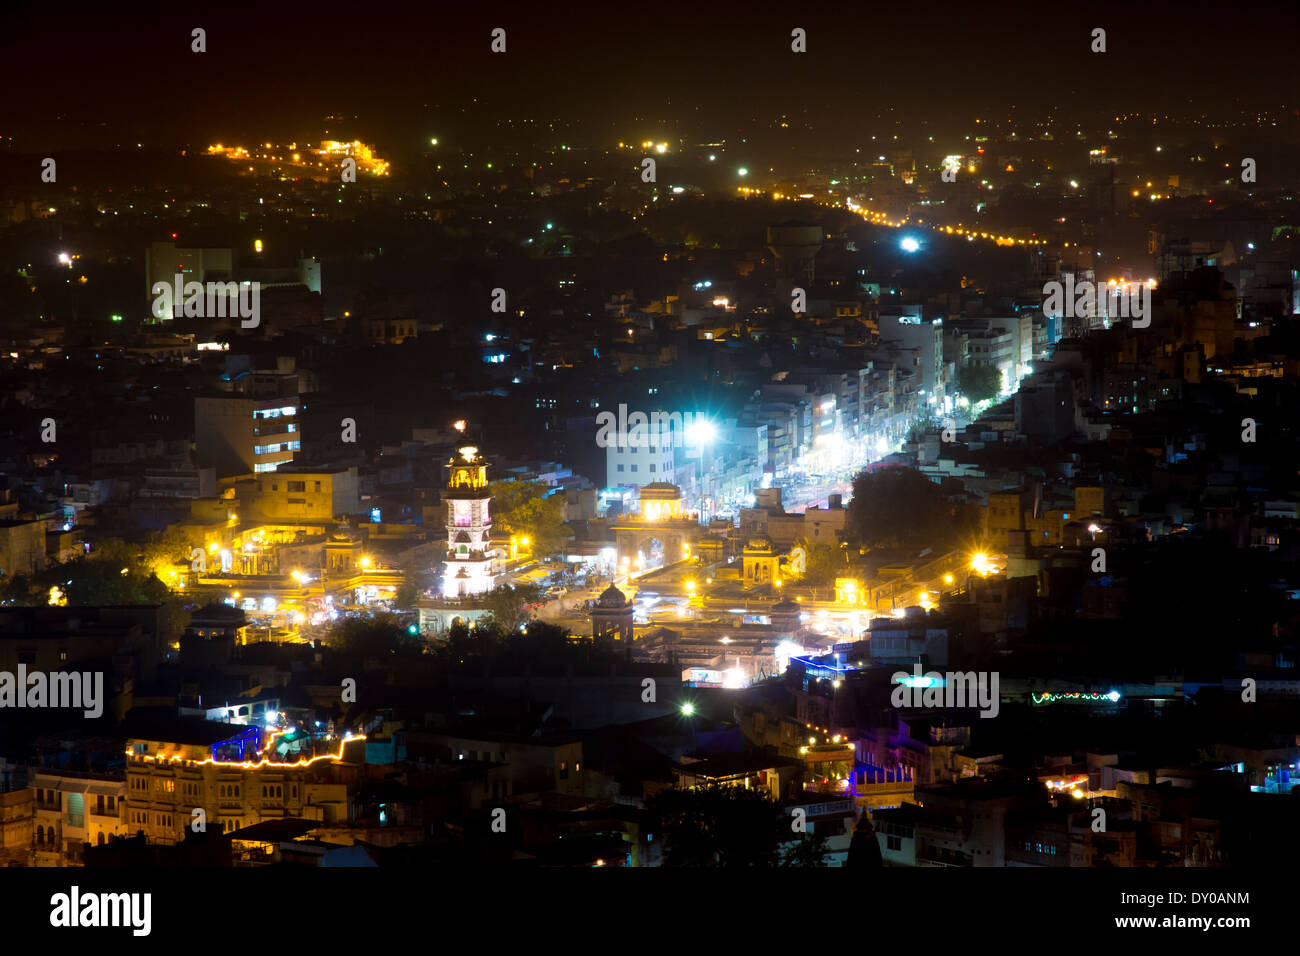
462	512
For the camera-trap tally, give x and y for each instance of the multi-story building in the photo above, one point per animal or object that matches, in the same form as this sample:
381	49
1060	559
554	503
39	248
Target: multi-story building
643	456
244	436
71	809
22	547
237	775
16	833
294	495
913	331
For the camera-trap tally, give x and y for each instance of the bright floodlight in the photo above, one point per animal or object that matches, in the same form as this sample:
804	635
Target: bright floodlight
688	709
700	433
909	244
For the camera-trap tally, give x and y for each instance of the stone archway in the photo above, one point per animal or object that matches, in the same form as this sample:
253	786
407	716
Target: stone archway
656	547
650	554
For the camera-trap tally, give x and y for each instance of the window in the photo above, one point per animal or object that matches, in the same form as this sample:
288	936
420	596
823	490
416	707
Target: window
76	810
620	467
893	843
300	486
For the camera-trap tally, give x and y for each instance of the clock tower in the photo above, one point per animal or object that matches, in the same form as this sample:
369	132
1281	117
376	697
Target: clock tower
469	569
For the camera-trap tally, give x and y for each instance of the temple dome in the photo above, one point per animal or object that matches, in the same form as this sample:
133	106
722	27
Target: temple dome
612	597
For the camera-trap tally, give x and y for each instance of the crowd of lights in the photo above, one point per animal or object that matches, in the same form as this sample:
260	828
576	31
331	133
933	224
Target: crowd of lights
328	154
1113	696
250	764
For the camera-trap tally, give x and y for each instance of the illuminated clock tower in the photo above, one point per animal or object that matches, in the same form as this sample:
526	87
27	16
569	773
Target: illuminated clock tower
470	556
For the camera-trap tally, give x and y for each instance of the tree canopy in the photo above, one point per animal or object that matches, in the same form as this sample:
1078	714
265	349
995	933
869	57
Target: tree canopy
825	562
524	508
730	827
901	508
979	383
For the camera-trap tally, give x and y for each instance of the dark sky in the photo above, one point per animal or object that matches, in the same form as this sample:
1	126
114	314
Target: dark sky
276	69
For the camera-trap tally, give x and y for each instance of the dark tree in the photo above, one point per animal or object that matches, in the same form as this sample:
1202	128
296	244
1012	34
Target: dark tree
901	508
509	605
979	382
808	849
720	826
380	636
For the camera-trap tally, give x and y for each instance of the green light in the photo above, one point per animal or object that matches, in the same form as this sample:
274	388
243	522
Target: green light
688	709
115	317
742	171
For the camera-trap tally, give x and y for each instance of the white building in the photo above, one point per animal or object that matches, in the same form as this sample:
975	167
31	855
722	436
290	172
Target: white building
641	459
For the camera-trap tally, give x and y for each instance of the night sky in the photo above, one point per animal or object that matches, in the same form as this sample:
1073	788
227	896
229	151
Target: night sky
106	75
